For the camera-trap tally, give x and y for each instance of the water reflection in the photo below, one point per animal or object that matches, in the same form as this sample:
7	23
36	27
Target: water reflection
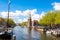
45	36
26	34
29	34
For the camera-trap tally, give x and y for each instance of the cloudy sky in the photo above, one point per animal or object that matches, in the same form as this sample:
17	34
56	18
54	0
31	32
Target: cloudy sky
19	9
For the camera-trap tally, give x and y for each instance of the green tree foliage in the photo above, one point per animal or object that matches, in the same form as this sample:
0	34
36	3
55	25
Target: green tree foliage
10	21
2	21
23	24
57	19
48	18
52	17
6	20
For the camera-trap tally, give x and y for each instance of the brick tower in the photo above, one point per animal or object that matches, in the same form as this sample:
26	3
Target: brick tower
29	21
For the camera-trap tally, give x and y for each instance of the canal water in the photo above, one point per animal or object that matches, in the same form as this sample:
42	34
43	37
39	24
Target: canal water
25	34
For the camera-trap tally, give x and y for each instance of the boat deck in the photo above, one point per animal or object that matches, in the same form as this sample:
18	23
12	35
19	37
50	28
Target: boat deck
5	37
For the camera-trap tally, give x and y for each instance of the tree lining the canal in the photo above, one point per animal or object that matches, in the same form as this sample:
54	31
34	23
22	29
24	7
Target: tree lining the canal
11	22
1	21
23	24
5	20
52	17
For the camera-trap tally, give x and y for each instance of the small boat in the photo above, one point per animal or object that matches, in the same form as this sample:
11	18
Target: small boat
56	32
48	32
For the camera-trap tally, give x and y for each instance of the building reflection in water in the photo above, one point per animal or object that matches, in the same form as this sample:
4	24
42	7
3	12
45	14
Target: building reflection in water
29	34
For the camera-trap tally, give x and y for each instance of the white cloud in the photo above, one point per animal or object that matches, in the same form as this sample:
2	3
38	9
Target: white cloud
3	14
17	14
14	15
38	16
56	6
42	14
26	12
35	17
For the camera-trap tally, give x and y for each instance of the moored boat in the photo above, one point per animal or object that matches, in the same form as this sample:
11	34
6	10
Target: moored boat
8	35
56	32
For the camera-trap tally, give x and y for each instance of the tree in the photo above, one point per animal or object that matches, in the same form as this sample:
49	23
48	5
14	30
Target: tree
48	18
2	21
23	24
57	19
10	21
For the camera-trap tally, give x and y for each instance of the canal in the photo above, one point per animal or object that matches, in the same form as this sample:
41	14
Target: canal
25	34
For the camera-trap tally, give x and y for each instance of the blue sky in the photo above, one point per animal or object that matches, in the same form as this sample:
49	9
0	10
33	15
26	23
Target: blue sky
22	5
40	5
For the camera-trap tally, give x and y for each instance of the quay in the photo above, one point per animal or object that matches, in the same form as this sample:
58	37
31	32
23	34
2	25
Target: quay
41	28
